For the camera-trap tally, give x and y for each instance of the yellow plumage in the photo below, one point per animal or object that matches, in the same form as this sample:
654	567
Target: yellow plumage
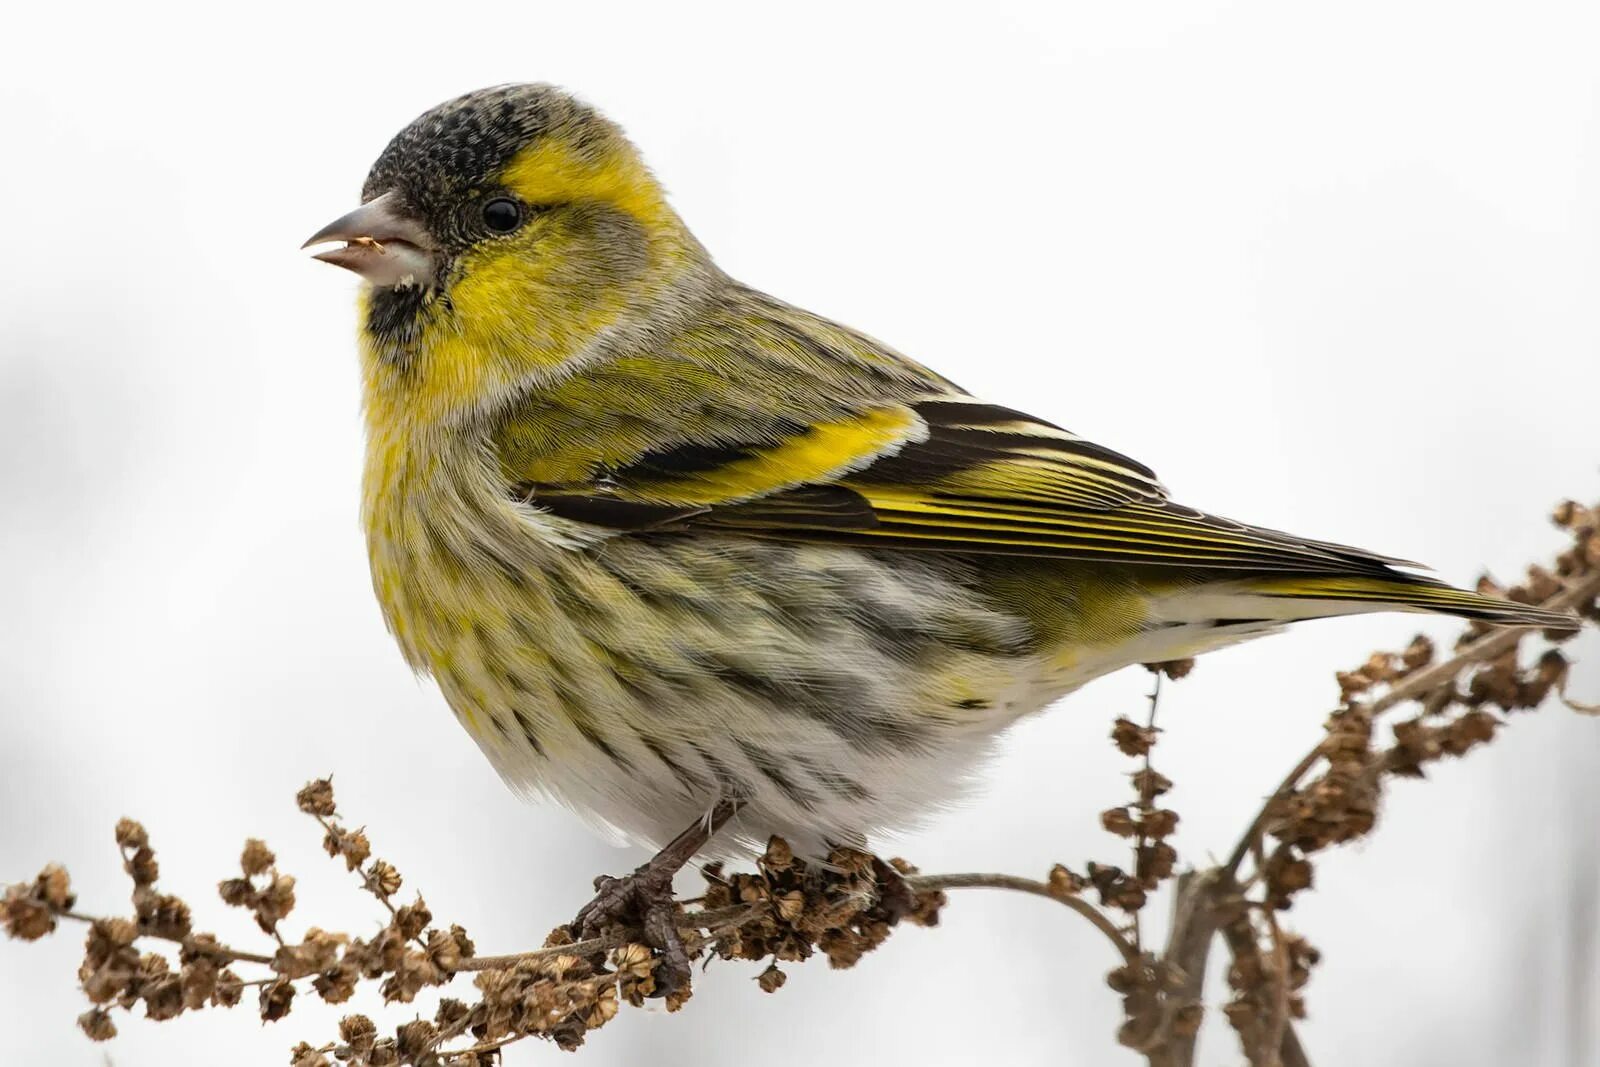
663	539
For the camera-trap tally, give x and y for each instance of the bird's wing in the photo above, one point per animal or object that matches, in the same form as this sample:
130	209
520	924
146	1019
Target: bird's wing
944	473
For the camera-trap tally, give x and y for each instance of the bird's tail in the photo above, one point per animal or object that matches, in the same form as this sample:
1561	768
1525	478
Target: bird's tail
1331	595
1293	598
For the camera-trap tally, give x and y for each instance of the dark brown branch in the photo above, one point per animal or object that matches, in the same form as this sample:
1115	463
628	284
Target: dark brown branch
1197	913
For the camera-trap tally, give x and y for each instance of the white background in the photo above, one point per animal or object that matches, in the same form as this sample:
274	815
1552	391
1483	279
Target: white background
1330	268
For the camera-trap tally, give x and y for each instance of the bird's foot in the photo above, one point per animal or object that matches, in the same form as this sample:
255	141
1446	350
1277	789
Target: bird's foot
642	902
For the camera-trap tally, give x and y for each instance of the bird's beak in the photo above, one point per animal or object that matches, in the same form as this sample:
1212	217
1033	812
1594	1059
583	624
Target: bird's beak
385	245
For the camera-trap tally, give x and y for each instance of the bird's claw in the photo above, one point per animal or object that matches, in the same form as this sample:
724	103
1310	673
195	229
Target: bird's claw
641	903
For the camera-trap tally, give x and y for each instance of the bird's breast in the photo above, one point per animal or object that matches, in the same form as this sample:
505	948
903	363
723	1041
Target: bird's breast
456	566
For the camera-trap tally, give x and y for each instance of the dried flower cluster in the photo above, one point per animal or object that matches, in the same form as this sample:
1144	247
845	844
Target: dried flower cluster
784	912
843	909
787	910
1332	796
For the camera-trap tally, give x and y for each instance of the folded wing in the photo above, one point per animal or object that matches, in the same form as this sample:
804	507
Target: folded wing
941	474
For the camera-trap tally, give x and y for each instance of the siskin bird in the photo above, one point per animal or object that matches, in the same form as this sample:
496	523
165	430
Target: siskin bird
671	546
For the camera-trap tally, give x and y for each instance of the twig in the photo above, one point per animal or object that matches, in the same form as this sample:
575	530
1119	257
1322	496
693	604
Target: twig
1197	912
232	955
1482	650
787	909
921	883
1412	686
1278	1022
1146	805
710	919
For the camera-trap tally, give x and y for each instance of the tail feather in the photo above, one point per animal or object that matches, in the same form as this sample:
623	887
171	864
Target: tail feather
1404	592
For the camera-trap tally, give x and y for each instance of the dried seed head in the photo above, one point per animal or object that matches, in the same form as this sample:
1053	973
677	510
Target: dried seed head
464	943
771	980
162	914
275	902
633	959
412	919
199	980
337	984
1172	668
604	1007
444	950
309	957
24	916
97	1024
1418	654
1119	821
416	1039
142	867
131	835
276	999
163	996
358	1032
1133	739
1159	823
1156	862
229	991
1065	883
415	971
383	1053
791	905
383	879
118	932
451	1013
256	857
54	887
236	892
303	1055
352	845
317	798
779	856
1150	783
1352	684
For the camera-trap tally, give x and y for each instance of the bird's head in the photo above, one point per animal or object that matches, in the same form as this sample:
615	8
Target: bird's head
502	235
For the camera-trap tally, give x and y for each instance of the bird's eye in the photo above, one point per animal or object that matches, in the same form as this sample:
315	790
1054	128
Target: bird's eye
502	214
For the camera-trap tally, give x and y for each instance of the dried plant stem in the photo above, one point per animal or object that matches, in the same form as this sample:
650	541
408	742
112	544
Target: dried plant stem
1259	1053
222	953
920	883
1197	911
368	882
1146	804
1482	650
1290	1052
474	1050
1252	835
1278	1022
1418	684
788	910
711	919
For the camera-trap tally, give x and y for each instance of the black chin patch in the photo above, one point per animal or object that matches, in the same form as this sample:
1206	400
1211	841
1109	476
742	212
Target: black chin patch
395	317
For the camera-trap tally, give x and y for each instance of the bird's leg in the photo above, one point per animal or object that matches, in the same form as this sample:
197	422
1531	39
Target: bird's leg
643	900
